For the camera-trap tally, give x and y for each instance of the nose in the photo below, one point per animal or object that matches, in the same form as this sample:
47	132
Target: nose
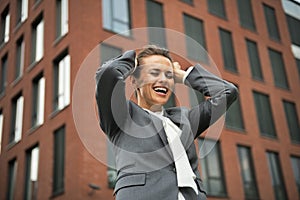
162	78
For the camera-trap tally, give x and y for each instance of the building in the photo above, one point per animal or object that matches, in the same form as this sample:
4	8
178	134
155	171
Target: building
44	43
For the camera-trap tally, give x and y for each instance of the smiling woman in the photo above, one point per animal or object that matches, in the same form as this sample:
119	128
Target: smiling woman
155	154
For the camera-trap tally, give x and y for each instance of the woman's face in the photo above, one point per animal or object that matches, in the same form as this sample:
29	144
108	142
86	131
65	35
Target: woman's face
156	82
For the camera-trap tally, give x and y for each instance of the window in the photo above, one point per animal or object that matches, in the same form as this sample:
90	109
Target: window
31	177
38	101
62	74
296	166
276	176
17	119
264	115
5	22
116	16
59	161
194	29
20	58
1	128
271	21
3	77
22	10
12	177
254	60
108	52
278	68
292	120
234	117
246	14
156	35
248	173
37	40
293	24
62	18
227	50
298	66
212	169
217	7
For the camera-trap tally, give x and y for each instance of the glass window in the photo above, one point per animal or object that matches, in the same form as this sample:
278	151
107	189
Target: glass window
195	30
37	40
271	21
187	1
227	50
293	25
278	69
31	176
248	173
17	119
22	10
292	120
212	169
20	58
246	14
59	161
156	35
217	7
254	60
298	66
3	81
264	115
234	117
38	101
116	16
108	52
62	80
276	176
296	166
12	177
1	128
62	17
5	26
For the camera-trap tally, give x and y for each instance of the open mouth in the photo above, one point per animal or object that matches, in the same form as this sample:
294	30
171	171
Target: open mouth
161	90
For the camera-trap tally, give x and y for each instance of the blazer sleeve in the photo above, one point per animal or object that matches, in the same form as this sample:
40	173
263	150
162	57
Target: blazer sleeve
221	94
110	92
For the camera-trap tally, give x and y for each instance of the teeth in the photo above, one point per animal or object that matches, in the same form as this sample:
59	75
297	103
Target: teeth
160	89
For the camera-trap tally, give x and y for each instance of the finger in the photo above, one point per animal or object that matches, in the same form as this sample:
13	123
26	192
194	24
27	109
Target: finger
176	65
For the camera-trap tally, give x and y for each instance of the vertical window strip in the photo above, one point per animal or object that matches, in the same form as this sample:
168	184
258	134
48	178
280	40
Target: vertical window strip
12	177
217	7
39	41
234	117
64	82
227	50
254	60
32	163
20	58
296	166
6	28
292	121
270	18
24	10
64	17
3	83
59	161
246	14
1	128
19	118
248	173
276	176
41	101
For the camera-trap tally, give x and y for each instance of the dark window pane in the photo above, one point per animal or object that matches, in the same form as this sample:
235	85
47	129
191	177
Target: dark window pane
246	14
271	22
217	8
234	118
292	120
212	168
194	29
276	176
155	18
294	29
278	69
59	161
298	66
187	1
228	50
296	166
248	173
3	81
254	60
108	52
12	177
264	115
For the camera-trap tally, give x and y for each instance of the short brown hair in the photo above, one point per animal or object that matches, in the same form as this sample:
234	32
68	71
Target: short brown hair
150	50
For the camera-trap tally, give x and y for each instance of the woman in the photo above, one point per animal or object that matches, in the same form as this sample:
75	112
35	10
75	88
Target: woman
155	154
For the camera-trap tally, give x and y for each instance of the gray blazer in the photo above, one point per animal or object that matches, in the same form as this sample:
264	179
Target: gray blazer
145	166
